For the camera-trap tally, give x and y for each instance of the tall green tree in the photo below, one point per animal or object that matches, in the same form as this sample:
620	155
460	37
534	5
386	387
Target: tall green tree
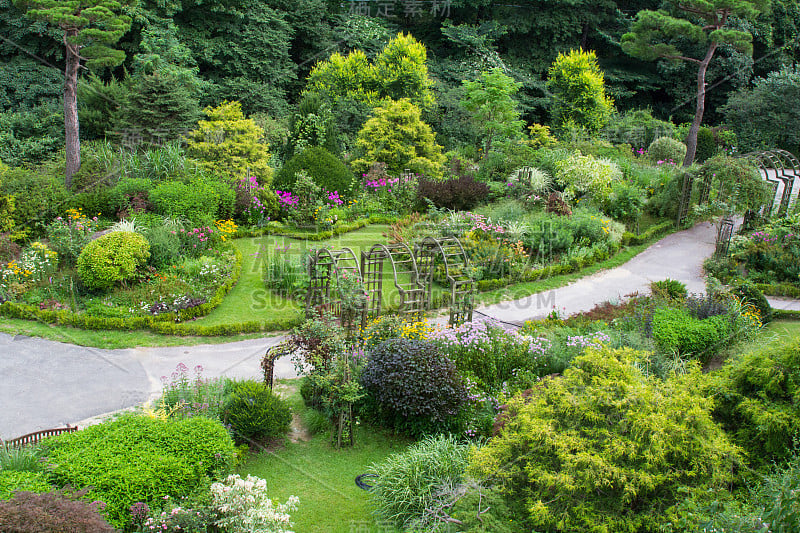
661	34
578	85
90	28
489	99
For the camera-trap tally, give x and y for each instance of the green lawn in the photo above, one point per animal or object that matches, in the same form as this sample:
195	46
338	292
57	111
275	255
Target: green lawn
249	300
324	477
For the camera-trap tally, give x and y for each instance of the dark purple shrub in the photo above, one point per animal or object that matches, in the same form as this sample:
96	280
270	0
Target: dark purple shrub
412	387
461	191
51	512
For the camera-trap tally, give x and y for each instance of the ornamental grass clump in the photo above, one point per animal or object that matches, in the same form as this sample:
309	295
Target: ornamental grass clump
409	484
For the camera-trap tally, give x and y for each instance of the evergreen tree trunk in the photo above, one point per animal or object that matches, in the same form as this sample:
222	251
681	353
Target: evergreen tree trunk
71	128
691	139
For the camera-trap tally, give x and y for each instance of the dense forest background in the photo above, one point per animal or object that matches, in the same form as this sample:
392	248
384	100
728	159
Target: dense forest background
181	56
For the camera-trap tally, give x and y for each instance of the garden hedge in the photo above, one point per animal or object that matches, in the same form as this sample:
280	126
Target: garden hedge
161	323
339	229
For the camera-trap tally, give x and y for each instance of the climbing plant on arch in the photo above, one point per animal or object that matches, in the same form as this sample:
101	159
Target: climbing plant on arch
352	290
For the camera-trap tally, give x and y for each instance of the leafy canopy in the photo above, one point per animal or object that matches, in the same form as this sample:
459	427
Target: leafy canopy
489	99
93	25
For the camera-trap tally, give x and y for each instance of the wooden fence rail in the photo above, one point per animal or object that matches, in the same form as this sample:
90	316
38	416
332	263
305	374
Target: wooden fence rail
36	436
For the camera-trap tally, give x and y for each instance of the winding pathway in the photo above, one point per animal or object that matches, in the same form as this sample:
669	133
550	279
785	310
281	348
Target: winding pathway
45	384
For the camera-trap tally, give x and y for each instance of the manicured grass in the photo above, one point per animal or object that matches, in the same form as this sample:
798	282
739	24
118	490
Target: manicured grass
250	300
775	331
324	477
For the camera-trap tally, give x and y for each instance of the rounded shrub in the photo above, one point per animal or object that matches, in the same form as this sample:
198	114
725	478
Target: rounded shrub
137	458
605	447
667	149
255	413
412	386
111	259
324	168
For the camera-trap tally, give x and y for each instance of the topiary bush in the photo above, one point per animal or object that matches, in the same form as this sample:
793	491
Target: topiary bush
605	448
706	144
52	512
667	150
136	458
253	412
412	387
112	258
324	168
758	400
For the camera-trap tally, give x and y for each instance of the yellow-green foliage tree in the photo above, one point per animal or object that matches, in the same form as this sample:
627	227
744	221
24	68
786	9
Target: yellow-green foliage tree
230	145
605	448
579	93
396	135
352	86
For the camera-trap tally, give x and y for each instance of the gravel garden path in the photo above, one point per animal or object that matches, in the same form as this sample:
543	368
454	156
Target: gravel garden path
46	384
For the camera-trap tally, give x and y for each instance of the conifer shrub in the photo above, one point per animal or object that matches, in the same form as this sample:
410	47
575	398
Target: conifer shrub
413	387
324	168
253	412
604	447
112	258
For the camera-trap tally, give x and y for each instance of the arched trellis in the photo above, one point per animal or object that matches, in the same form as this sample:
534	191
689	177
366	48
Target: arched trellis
400	258
333	273
780	169
446	257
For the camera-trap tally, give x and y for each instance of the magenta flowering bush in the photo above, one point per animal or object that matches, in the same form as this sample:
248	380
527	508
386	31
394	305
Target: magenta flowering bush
251	206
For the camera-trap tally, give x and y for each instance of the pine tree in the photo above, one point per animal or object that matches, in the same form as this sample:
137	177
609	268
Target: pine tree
90	28
657	34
